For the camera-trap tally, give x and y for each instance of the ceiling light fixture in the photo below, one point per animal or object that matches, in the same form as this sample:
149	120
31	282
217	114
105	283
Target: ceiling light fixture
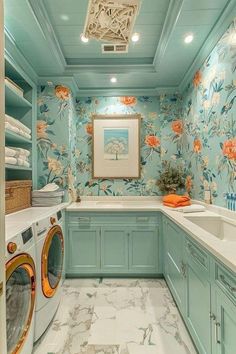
83	38
188	38
135	37
113	79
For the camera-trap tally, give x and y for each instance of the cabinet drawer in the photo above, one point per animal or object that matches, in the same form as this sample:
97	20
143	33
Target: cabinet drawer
225	280
197	255
112	218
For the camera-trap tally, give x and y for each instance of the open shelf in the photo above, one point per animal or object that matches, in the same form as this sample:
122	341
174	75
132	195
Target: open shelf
14	138
12	98
15	167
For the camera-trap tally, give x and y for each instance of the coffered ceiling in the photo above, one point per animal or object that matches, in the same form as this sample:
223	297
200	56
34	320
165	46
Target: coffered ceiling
47	32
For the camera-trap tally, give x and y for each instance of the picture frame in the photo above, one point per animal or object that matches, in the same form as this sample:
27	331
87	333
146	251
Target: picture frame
116	146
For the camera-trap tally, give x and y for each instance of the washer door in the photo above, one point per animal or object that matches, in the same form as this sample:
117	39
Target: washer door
20	300
52	260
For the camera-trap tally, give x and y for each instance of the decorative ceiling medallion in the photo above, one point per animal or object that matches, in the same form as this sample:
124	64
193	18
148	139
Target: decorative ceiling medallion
111	20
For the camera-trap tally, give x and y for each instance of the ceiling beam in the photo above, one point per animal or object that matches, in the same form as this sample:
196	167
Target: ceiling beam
170	22
109	69
111	92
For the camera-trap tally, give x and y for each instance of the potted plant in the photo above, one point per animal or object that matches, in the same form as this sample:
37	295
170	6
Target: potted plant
171	179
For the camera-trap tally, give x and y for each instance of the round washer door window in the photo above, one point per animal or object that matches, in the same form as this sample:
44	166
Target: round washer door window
52	260
20	300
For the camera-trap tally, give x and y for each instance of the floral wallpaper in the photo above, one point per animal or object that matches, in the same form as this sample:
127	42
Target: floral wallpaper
64	131
56	142
161	134
209	113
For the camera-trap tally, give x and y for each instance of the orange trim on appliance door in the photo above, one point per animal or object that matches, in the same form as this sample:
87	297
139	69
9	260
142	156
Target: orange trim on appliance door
26	262
47	289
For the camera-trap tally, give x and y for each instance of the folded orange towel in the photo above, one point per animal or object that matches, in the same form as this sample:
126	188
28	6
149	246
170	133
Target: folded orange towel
176	200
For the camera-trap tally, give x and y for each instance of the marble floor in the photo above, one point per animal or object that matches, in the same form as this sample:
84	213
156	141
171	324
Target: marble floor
116	316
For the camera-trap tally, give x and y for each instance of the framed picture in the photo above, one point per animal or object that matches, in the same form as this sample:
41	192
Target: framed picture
116	146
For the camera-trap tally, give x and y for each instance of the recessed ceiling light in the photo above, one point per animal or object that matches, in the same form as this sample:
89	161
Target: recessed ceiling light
188	38
113	79
83	38
65	17
135	37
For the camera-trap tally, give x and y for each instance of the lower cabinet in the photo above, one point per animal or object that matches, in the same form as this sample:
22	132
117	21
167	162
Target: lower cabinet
82	249
143	249
114	249
204	290
112	245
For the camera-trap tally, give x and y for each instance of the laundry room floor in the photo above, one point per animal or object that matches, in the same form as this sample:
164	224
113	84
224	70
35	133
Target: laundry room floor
116	316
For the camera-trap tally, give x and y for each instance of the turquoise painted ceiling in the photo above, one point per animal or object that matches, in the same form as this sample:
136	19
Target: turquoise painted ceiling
47	32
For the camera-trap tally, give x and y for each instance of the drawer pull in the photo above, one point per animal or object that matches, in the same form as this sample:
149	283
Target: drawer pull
196	255
231	288
217	328
183	269
83	219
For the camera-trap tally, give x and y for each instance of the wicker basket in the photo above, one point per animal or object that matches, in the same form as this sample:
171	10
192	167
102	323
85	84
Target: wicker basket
17	195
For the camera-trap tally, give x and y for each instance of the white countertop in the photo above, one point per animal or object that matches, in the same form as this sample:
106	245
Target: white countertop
224	250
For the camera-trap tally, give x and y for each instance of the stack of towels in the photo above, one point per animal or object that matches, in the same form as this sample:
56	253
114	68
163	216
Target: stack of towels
47	196
17	127
176	201
17	156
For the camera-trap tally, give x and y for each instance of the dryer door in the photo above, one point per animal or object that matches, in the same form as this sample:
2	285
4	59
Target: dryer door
52	260
20	300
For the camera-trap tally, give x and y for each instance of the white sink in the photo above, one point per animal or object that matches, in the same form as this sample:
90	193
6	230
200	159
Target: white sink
222	228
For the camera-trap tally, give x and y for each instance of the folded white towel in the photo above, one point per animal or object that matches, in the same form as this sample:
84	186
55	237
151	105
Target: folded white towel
16	123
50	187
10	160
21	162
194	208
11	128
26	135
20	152
10	152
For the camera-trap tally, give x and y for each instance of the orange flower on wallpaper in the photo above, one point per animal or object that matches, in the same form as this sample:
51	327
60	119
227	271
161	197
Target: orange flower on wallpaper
89	128
177	126
152	141
229	149
188	183
41	129
197	145
197	78
62	92
129	100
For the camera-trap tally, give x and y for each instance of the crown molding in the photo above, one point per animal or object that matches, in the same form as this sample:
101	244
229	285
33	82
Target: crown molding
171	19
41	17
14	56
127	92
221	25
59	80
109	69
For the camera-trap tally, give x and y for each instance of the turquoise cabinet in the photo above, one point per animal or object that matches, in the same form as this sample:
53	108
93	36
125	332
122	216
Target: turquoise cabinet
83	250
114	249
112	244
143	249
198	304
174	266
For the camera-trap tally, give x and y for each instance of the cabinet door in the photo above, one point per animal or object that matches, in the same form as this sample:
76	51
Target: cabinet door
114	249
143	249
83	250
224	326
174	269
198	307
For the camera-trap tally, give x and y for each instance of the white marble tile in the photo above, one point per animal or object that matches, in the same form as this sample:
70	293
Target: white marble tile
116	316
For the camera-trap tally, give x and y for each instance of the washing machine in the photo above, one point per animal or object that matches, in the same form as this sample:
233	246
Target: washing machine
49	242
20	288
